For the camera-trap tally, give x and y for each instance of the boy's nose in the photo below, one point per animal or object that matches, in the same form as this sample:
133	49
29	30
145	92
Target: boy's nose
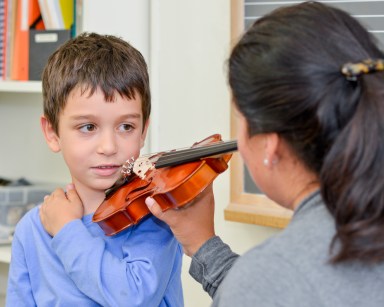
107	143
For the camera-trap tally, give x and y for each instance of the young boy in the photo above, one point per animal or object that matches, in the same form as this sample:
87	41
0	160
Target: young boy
96	113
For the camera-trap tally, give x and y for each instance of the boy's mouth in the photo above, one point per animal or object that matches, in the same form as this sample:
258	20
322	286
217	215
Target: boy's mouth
106	170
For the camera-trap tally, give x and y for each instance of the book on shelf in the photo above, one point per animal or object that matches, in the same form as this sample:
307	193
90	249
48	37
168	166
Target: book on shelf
10	24
3	34
58	14
27	16
19	21
41	45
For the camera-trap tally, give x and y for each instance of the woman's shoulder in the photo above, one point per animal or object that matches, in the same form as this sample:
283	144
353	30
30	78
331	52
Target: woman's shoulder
264	275
284	258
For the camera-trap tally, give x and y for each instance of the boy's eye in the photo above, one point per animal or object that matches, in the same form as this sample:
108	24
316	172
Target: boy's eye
126	127
87	128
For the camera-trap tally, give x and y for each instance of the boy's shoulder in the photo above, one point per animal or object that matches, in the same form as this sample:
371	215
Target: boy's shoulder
30	220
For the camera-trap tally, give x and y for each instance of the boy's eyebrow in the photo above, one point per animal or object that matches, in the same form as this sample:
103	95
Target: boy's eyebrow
121	117
130	115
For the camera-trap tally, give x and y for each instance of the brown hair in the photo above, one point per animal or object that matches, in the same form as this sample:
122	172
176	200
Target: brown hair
92	61
285	75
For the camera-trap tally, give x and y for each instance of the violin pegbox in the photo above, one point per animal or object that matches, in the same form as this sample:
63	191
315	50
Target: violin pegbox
127	167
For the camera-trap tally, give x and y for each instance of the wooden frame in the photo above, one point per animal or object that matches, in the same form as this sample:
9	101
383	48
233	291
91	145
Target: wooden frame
247	207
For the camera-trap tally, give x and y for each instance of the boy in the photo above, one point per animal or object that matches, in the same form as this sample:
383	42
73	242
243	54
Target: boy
96	113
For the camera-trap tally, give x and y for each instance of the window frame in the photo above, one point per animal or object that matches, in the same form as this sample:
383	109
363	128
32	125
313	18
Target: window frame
245	207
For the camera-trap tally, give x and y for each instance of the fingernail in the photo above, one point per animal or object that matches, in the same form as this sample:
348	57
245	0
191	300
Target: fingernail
149	202
70	186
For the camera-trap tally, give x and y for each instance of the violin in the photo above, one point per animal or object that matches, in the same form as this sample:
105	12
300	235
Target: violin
173	178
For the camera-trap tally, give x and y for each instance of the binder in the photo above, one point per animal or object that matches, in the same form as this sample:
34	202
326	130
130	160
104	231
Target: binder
27	16
42	44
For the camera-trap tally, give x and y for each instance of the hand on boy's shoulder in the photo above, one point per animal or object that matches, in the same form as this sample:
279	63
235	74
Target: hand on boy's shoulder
60	208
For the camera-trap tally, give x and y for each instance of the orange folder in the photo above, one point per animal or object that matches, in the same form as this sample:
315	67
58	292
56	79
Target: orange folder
27	16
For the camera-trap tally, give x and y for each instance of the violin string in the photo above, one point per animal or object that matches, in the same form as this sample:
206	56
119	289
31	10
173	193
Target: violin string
195	153
182	150
209	149
162	152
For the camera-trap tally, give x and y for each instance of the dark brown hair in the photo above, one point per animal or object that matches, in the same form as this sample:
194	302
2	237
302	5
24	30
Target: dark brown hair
285	75
90	61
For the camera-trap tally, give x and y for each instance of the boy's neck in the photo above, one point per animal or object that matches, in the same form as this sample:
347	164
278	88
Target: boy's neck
91	199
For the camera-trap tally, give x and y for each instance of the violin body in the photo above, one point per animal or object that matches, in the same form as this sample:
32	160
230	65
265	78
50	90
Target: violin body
171	187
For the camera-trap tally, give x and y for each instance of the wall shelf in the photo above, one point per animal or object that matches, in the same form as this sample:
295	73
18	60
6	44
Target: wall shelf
20	86
5	253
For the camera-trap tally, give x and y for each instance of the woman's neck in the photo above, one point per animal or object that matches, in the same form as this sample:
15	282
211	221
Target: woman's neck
308	189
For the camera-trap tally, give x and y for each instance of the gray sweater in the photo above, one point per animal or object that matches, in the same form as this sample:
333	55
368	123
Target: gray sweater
290	269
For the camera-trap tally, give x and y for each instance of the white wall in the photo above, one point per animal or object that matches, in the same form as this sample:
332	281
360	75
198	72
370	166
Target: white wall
190	43
128	19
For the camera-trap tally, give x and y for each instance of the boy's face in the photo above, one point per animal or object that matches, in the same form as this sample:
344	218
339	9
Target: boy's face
96	137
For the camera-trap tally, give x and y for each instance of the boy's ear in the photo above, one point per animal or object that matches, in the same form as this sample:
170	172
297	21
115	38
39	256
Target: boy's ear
144	133
50	135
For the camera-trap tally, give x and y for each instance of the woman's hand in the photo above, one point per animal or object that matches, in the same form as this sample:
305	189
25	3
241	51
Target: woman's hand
60	208
192	224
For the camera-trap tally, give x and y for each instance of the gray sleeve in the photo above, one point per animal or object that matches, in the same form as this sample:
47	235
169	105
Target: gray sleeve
211	263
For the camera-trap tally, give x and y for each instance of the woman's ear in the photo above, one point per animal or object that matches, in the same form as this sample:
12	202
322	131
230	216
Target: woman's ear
144	133
271	154
50	135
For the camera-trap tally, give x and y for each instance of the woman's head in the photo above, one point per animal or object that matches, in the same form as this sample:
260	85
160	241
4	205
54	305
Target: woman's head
285	76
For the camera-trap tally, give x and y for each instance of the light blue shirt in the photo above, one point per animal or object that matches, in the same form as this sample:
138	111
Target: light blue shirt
140	266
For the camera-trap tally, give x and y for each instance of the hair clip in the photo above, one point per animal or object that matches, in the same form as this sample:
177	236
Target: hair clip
353	70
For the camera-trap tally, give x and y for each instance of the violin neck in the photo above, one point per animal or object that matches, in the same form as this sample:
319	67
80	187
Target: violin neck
182	156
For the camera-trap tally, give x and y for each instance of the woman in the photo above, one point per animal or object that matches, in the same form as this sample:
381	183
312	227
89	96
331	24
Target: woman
311	132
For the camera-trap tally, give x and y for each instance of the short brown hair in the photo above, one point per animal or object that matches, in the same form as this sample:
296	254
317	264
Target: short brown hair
90	61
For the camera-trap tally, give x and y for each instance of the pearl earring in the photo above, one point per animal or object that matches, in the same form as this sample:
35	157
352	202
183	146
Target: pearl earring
266	162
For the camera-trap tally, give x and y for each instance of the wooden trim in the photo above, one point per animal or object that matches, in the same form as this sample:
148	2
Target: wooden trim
237	20
246	207
259	210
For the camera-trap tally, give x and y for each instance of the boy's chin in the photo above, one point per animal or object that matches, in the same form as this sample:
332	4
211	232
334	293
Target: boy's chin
104	185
